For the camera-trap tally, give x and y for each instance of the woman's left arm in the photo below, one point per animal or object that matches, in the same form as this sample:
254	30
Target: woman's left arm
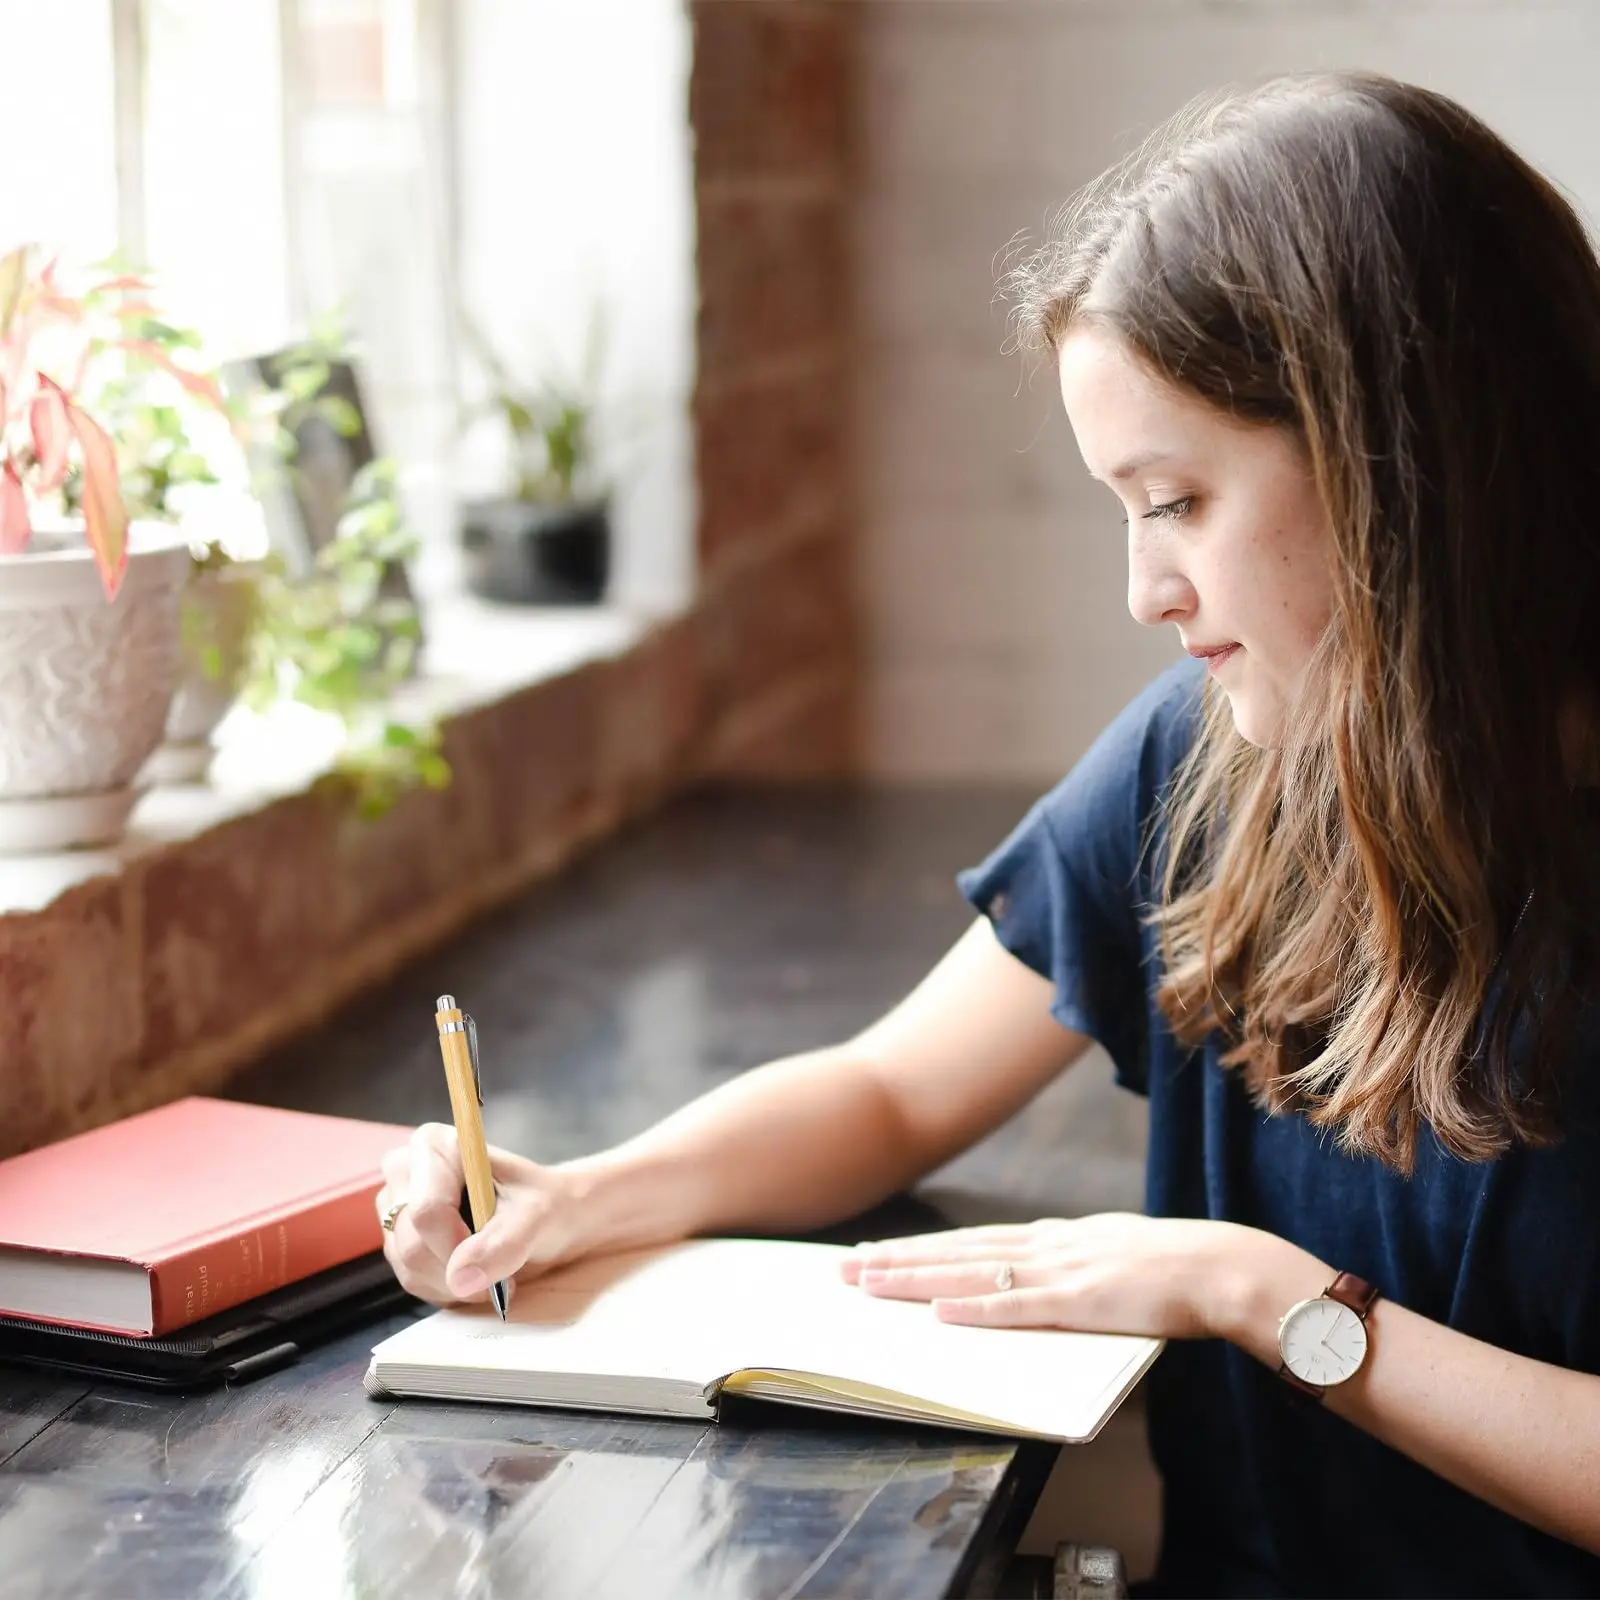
1521	1434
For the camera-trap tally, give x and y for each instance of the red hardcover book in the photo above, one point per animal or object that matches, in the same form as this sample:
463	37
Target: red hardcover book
155	1222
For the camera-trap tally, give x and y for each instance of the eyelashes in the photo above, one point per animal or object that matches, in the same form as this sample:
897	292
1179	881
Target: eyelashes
1172	510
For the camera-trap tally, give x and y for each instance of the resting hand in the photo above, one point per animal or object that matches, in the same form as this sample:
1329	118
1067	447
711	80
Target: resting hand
1166	1277
434	1254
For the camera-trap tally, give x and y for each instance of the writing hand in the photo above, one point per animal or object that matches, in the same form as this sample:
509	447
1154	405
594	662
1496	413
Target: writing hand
435	1255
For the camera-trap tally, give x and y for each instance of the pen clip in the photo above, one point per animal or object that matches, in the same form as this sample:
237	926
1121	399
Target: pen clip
472	1053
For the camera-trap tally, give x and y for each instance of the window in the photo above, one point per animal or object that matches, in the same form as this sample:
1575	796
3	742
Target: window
58	123
213	204
271	160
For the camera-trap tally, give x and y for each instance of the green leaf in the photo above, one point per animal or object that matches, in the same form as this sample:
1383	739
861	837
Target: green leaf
519	417
340	415
304	383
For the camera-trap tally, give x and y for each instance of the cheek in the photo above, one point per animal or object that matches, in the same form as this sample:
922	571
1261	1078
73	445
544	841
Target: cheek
1293	584
1309	592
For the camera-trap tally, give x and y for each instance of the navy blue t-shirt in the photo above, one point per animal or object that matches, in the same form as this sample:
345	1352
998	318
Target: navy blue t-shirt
1265	1493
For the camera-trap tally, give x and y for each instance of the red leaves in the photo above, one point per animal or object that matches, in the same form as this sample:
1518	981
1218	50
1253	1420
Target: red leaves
40	421
47	421
199	384
15	528
105	517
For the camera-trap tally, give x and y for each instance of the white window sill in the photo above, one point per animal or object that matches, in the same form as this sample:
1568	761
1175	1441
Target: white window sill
474	653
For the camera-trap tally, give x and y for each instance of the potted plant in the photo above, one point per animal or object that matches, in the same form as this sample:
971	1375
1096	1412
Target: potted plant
329	633
332	639
181	451
337	627
548	540
89	642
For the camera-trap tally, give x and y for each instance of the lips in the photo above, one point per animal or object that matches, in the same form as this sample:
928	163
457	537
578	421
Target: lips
1213	654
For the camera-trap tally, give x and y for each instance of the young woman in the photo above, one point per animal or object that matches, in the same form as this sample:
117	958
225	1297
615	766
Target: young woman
1327	892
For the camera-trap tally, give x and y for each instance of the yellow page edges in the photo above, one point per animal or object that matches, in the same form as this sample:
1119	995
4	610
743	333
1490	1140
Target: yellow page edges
864	1399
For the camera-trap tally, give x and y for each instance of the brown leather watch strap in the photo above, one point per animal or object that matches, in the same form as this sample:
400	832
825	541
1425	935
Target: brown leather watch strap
1349	1290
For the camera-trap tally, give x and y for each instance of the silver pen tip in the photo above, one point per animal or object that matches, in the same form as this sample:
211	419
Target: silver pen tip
446	1002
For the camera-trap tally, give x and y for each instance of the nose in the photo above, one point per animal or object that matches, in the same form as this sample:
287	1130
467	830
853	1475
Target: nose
1158	590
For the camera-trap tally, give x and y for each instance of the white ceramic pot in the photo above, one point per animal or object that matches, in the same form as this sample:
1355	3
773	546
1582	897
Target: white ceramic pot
84	684
218	611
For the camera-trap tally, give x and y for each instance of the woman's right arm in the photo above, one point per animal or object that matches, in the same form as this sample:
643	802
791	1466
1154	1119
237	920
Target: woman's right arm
784	1148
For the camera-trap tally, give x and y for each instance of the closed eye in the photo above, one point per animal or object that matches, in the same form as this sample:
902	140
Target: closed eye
1176	510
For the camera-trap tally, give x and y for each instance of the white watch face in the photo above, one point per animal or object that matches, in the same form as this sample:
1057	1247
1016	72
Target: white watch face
1322	1341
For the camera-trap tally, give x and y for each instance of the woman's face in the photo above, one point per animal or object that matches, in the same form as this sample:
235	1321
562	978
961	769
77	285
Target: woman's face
1227	539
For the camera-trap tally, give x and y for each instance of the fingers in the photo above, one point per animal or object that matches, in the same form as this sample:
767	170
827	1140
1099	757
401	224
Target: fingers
1010	1308
434	1175
426	1175
948	1278
433	1197
503	1164
501	1249
971	1291
936	1250
435	1254
984	1294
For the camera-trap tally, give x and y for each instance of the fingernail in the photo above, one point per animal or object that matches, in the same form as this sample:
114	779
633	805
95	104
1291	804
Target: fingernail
471	1280
872	1275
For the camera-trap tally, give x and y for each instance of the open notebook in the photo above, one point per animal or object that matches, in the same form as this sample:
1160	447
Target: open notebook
667	1332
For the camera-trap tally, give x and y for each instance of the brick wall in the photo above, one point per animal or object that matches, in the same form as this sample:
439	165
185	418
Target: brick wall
771	94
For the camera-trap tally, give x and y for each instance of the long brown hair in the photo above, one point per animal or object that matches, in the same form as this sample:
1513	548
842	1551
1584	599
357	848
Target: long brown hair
1390	915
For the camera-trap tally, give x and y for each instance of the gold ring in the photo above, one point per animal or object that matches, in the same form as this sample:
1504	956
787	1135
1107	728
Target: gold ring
392	1215
1005	1278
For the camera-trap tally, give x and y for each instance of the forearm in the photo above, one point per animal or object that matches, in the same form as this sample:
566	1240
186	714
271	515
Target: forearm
822	1136
1523	1435
788	1147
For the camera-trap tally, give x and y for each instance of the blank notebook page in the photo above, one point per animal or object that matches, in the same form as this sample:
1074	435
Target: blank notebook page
696	1313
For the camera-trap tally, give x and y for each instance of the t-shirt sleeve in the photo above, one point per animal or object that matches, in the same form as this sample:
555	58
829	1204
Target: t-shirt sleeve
1068	892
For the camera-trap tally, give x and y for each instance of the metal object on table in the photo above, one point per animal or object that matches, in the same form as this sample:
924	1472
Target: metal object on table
1089	1572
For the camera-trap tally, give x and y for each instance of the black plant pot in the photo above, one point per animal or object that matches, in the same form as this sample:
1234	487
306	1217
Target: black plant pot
537	555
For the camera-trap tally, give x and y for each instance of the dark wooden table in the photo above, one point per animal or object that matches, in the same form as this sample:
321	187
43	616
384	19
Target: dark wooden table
730	930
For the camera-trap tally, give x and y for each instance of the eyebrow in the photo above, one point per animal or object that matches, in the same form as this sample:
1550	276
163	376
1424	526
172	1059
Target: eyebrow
1126	469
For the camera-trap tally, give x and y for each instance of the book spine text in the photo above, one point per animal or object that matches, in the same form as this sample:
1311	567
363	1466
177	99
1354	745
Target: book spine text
225	1271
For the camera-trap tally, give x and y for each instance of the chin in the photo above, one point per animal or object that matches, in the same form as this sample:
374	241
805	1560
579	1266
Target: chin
1258	724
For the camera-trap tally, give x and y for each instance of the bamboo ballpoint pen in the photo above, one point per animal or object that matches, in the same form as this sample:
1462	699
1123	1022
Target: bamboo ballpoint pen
458	1042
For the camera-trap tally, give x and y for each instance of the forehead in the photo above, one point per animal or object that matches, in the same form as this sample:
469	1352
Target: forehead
1122	411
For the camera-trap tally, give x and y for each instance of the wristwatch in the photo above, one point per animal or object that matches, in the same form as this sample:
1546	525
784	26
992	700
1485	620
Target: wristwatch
1324	1341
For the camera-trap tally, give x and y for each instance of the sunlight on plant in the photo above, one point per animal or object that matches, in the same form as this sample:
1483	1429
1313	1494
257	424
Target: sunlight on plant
335	638
181	443
334	641
57	454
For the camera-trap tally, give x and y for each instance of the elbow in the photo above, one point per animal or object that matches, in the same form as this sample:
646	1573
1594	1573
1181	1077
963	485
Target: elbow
909	1147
